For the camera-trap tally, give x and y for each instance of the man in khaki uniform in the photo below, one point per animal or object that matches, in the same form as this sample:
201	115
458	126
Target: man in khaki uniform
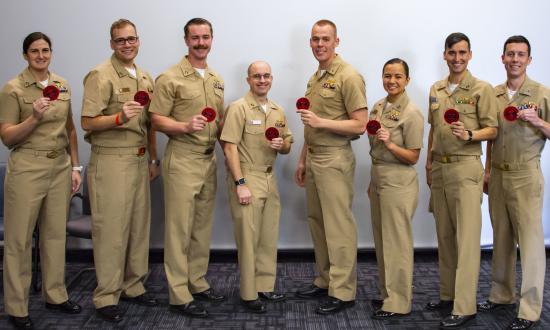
118	129
183	91
255	202
516	187
338	114
393	190
455	175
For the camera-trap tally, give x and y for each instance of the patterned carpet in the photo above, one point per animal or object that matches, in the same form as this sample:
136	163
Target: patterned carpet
295	313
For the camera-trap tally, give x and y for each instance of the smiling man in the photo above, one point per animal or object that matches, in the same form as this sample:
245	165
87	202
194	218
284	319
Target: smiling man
119	131
255	204
455	174
516	187
179	110
338	114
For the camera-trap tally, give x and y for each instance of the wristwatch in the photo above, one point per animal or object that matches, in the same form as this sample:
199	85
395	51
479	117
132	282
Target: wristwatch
155	162
470	135
78	168
240	182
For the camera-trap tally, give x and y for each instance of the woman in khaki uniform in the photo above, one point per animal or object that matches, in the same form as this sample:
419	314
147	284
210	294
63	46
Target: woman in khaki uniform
40	132
393	190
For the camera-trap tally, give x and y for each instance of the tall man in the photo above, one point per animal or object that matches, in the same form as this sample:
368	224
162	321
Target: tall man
118	129
455	175
516	185
337	114
255	202
189	168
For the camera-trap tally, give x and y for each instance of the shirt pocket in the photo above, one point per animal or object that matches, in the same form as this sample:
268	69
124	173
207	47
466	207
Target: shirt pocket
252	128
124	97
26	107
468	115
327	93
387	122
186	98
218	92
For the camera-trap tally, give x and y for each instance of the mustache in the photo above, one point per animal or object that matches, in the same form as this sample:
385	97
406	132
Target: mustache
200	47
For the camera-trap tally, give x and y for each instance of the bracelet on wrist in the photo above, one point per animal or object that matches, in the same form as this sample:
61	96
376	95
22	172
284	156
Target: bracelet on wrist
78	168
117	120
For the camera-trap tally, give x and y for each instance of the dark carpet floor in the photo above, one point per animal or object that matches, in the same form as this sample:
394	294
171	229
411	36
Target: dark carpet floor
293	314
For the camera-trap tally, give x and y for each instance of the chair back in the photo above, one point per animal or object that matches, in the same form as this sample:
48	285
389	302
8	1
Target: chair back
86	209
2	176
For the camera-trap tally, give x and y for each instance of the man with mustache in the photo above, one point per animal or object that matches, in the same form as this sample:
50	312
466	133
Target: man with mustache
455	175
189	94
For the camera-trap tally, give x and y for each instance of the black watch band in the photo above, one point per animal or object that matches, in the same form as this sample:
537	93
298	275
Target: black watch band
240	182
470	135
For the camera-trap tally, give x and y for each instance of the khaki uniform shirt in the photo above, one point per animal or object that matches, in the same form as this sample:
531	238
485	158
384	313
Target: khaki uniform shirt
245	125
405	123
182	93
106	88
476	103
518	141
16	99
334	95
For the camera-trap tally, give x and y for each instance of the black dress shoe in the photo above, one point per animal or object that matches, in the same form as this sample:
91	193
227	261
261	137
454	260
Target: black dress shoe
21	322
272	296
209	295
193	309
383	315
110	313
521	324
68	307
333	305
490	306
440	305
311	291
456	321
376	303
145	299
254	306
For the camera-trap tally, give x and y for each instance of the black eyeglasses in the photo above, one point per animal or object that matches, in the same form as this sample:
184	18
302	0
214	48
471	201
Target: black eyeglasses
121	41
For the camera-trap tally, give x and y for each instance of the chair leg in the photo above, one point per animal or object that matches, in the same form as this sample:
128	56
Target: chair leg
35	280
77	276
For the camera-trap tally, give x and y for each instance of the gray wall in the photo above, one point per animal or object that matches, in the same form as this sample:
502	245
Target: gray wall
371	32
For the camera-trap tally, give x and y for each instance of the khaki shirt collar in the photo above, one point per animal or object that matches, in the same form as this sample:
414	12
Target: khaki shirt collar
119	67
334	65
188	70
253	103
28	78
525	89
122	72
401	103
466	83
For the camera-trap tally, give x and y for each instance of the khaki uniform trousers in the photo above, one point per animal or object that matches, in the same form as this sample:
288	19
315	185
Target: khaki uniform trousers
121	218
36	188
189	193
515	203
457	194
329	192
393	200
256	231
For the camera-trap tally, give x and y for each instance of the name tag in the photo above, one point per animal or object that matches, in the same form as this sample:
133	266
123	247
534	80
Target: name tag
255	122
